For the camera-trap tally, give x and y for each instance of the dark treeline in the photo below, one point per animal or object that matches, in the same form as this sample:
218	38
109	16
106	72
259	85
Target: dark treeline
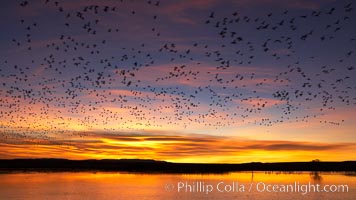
152	166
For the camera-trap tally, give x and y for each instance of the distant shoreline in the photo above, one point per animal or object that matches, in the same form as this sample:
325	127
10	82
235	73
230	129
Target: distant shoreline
152	166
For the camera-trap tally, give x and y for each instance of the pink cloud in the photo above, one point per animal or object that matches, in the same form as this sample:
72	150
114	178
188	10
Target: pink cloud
260	102
182	6
298	4
263	78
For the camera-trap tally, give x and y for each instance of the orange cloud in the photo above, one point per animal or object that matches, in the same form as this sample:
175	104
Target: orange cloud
175	147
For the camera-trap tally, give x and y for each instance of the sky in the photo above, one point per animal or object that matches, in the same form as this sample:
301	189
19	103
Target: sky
203	81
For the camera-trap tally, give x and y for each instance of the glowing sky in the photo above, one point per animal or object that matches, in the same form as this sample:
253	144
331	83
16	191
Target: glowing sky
183	81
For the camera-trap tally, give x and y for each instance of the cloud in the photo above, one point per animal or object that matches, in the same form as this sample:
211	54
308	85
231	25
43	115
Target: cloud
167	146
177	10
295	146
296	4
182	6
204	73
267	102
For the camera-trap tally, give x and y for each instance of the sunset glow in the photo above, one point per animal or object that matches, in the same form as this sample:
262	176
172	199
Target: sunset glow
180	81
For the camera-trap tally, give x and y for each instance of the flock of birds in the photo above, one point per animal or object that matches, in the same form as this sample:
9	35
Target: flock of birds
91	82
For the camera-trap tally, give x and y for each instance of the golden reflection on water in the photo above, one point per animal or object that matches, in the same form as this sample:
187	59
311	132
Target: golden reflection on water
91	185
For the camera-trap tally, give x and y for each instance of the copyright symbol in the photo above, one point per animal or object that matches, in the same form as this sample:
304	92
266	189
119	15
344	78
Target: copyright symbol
169	187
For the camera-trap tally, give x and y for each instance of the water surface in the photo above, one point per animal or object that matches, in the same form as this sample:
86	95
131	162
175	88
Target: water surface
240	185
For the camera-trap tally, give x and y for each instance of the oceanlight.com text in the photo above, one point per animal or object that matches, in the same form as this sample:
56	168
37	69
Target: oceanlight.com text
234	186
